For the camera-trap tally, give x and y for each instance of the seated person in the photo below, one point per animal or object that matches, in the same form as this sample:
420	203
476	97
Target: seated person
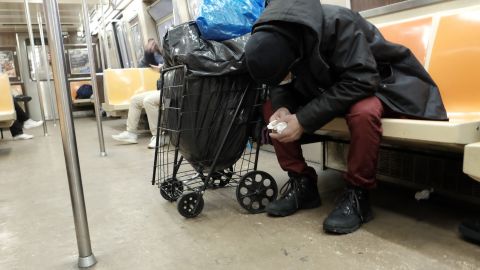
322	62
149	100
23	121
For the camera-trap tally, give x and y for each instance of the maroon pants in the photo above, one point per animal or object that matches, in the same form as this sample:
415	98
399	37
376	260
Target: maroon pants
363	120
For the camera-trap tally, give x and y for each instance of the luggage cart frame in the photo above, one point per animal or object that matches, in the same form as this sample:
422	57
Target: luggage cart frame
180	181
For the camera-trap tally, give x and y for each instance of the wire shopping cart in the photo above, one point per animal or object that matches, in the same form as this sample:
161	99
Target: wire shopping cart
213	125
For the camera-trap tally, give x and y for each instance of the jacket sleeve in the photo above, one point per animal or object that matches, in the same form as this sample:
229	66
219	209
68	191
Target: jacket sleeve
354	71
283	96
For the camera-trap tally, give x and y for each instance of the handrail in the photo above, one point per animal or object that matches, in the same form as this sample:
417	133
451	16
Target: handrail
409	4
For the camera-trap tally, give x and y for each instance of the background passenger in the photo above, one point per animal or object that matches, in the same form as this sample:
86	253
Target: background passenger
340	66
152	56
23	121
149	100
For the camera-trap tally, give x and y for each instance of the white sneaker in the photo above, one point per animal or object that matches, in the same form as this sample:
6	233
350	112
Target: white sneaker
161	142
164	140
153	142
31	124
23	137
126	136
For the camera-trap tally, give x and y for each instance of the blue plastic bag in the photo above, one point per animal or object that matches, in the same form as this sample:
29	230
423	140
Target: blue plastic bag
225	19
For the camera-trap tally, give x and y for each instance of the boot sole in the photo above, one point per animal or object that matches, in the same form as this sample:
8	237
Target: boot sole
279	213
469	233
338	230
125	141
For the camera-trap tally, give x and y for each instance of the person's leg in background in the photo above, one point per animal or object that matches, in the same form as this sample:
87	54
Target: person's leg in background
17	131
152	106
17	128
364	123
133	118
301	189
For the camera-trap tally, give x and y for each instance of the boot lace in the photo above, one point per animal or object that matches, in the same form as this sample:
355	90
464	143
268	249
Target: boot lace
287	189
349	202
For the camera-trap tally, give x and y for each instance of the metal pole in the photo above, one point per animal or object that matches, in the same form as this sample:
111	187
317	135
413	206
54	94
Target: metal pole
101	40
107	51
34	68
93	74
19	55
67	128
47	69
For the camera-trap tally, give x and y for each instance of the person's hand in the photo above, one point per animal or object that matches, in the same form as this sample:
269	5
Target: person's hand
281	112
157	68
292	132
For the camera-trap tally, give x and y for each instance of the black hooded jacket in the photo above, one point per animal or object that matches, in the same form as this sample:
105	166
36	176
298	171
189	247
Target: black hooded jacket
344	59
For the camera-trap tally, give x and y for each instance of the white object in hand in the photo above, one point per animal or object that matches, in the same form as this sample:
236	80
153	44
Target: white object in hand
277	126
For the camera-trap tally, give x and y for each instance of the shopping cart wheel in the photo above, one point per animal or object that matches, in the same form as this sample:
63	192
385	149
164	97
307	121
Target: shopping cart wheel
190	205
171	189
221	178
256	190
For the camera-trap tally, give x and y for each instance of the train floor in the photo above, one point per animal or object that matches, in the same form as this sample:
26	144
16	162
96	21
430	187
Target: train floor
133	227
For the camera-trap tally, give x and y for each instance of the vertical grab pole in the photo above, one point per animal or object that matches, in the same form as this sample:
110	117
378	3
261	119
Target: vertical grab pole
101	41
19	55
67	128
34	68
47	70
93	75
105	42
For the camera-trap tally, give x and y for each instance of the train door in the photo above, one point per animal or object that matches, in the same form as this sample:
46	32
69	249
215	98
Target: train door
30	73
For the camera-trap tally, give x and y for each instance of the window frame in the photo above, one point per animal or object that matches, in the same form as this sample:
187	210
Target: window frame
396	7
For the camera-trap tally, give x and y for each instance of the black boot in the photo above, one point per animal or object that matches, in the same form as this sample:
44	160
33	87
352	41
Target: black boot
350	213
470	229
22	98
298	193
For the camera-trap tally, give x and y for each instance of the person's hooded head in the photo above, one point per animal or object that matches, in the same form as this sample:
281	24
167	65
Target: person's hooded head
151	48
271	51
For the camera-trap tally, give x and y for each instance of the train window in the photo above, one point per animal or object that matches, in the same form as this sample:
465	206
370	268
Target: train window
9	63
136	38
77	61
162	28
36	65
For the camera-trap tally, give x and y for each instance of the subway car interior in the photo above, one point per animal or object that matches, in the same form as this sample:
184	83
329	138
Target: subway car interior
131	141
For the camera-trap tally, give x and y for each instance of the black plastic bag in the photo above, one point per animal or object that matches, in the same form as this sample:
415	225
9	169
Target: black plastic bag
182	45
199	114
199	117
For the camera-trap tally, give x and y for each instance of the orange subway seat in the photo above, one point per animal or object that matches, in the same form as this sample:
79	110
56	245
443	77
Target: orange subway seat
414	35
122	84
455	63
7	110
